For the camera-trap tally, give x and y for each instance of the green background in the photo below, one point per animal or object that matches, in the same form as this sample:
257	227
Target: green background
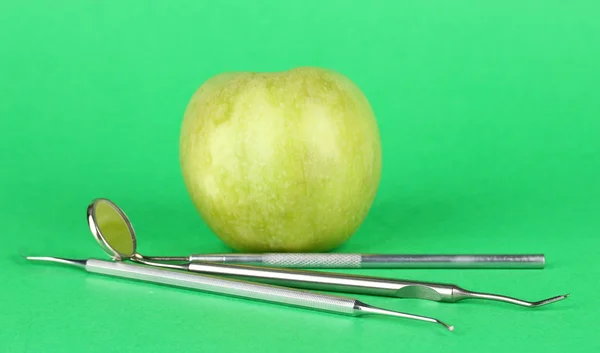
490	124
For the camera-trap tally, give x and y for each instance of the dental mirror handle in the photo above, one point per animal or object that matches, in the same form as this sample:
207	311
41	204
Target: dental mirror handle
315	260
238	288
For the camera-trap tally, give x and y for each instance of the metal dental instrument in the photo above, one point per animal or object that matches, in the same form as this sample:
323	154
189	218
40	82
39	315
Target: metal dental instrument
353	283
244	289
325	260
114	232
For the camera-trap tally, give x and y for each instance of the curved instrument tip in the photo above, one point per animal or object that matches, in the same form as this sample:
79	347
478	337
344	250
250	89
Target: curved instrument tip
550	300
368	309
449	327
506	299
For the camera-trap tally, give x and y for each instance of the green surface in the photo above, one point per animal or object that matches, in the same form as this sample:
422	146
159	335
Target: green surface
490	121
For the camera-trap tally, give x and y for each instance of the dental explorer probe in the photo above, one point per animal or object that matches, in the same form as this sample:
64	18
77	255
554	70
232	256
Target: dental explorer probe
244	289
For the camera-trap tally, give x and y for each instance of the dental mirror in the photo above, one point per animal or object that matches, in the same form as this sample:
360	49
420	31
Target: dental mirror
111	229
115	235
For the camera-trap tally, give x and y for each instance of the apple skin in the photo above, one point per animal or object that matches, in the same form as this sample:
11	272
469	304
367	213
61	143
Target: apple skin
281	161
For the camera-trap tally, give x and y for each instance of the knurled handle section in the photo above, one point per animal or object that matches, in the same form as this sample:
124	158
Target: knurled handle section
313	260
237	288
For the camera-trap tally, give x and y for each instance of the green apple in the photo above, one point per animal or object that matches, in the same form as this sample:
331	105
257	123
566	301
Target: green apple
281	161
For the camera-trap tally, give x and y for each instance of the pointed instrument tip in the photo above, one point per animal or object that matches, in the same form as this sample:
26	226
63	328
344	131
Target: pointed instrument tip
78	263
551	300
503	298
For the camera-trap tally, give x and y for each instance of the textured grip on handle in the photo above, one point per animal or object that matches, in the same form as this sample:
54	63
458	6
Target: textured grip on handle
218	285
313	260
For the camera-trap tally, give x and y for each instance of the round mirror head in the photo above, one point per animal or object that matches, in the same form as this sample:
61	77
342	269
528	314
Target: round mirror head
111	228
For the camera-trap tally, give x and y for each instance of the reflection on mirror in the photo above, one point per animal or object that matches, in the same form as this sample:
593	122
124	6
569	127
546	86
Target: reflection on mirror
114	228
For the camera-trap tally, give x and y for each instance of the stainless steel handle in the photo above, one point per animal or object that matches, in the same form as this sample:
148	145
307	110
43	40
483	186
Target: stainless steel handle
285	260
327	260
313	260
237	288
527	261
330	281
